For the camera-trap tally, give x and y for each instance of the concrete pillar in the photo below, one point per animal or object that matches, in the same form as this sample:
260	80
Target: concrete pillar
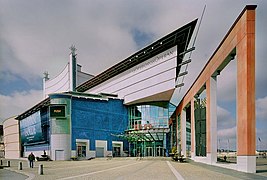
183	133
178	133
246	121
73	70
193	148
211	120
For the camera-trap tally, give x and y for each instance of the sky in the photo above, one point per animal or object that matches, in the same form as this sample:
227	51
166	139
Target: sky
35	36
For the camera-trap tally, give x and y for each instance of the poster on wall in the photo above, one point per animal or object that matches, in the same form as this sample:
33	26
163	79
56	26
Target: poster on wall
30	128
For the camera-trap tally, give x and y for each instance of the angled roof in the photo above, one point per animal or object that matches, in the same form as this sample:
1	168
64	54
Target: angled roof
179	38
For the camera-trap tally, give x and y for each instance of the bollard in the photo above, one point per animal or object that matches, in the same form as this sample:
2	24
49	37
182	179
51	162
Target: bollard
40	170
1	162
8	164
20	166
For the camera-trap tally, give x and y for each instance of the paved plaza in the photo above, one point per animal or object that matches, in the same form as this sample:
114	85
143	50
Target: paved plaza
127	168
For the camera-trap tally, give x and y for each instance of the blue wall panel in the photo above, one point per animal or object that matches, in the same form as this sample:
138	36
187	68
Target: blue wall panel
97	120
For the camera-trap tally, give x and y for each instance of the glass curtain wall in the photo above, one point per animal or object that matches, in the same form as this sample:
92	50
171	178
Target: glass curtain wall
155	115
151	122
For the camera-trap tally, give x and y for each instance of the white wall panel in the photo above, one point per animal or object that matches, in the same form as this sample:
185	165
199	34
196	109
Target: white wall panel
60	142
147	83
11	138
159	88
131	77
151	77
58	84
61	77
11	130
13	145
12	154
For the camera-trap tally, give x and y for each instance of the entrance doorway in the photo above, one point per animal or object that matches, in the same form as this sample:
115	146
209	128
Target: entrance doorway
116	151
99	151
149	151
81	150
159	151
59	155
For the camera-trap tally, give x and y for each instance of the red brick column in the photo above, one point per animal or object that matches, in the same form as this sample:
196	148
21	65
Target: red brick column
246	121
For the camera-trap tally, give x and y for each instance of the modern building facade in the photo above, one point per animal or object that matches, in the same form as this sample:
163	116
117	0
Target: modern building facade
70	125
123	111
126	109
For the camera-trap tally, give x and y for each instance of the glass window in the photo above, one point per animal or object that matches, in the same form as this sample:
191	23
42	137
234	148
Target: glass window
157	114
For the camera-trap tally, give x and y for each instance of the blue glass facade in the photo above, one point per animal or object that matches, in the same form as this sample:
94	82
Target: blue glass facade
97	120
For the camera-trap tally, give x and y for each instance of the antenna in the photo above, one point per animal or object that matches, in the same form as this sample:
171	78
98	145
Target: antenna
73	50
194	42
199	25
46	75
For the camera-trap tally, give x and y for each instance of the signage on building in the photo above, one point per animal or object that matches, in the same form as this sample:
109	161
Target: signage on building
58	111
155	59
30	129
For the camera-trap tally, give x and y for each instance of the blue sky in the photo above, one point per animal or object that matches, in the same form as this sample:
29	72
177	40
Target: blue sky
35	36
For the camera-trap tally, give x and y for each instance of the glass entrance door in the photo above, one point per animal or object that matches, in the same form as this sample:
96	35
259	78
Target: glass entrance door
159	151
149	151
81	151
116	151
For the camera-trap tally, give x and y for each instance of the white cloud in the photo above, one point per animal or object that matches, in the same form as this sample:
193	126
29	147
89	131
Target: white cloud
40	33
261	108
225	120
18	103
229	133
226	129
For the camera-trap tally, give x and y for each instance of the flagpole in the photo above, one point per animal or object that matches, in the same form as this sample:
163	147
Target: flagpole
228	147
259	146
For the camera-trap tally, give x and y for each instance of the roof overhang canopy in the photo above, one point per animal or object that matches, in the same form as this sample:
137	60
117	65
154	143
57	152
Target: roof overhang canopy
147	135
179	38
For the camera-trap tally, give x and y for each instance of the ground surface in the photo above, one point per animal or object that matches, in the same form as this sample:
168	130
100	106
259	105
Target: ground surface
128	168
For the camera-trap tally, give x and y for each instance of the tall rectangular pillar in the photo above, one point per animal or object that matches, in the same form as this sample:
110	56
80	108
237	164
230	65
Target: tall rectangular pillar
211	121
183	132
193	148
246	122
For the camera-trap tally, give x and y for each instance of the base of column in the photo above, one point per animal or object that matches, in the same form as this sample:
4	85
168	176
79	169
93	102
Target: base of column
246	164
211	158
193	155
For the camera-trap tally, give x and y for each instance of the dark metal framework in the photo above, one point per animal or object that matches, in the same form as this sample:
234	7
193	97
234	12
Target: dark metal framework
149	135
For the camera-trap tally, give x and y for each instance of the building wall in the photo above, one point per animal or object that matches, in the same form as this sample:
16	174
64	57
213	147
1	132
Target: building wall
95	120
82	76
152	80
2	147
60	129
11	138
70	77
